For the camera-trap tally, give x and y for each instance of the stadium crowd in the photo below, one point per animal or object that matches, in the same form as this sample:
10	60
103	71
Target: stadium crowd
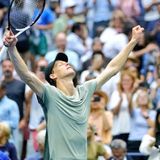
124	122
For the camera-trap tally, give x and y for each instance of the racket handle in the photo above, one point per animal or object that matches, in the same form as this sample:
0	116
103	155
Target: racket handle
3	52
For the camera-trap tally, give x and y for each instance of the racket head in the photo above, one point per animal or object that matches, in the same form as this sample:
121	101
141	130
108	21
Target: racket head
19	19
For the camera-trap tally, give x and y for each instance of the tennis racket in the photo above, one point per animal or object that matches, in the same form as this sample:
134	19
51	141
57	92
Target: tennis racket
19	21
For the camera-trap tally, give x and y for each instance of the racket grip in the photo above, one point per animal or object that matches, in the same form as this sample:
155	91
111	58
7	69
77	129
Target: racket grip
3	52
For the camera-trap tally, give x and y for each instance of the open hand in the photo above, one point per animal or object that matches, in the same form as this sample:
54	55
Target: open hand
9	39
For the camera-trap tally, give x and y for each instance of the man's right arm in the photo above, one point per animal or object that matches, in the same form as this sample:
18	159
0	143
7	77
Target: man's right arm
27	76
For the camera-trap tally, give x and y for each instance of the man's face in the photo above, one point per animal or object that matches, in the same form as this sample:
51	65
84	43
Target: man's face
98	102
97	61
61	41
143	98
127	82
40	4
63	69
7	68
70	11
118	154
40	69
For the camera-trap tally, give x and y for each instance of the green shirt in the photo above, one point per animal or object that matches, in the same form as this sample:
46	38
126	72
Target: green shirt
95	149
66	118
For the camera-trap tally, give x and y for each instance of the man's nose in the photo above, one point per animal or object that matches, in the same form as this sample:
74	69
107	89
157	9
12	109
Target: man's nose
66	64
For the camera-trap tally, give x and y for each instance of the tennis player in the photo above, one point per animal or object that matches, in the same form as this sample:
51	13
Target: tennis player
65	106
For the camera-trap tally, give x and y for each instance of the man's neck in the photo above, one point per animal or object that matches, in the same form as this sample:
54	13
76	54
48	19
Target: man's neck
67	87
9	79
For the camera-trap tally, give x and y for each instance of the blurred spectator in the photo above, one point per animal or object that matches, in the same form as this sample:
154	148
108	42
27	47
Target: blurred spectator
9	112
114	34
100	118
132	64
5	146
35	109
116	25
140	18
79	37
61	44
15	90
5	3
152	16
142	119
130	8
95	67
152	10
134	70
95	149
148	51
41	145
66	20
102	15
150	144
41	38
156	33
3	10
119	150
155	89
111	85
81	11
132	61
122	106
90	17
3	156
53	5
97	46
150	75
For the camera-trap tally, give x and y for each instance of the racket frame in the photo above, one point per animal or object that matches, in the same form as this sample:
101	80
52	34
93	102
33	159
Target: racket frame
3	52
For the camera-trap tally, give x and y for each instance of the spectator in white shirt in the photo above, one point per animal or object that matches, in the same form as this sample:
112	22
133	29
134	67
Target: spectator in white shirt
150	144
113	36
78	39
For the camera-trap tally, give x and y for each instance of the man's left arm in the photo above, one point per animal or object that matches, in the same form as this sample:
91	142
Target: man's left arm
118	62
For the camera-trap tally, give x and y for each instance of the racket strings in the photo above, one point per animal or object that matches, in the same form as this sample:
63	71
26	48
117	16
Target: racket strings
19	13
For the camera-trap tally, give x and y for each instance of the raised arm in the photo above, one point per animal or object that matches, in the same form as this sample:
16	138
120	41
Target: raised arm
118	62
27	76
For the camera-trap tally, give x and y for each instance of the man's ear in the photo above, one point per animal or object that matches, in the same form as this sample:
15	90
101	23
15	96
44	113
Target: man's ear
52	76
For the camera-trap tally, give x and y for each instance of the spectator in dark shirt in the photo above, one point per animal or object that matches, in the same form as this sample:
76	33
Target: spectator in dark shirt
15	90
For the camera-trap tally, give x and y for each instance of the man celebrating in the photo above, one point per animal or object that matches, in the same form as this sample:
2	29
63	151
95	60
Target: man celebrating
65	106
